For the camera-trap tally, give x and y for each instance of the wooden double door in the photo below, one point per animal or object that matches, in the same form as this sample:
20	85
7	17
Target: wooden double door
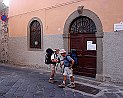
85	45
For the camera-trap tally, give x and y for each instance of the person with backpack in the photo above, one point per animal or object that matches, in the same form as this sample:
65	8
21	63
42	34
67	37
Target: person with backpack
68	71
48	54
73	55
54	60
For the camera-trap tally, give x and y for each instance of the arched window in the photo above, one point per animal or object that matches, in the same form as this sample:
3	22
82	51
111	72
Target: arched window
82	24
35	34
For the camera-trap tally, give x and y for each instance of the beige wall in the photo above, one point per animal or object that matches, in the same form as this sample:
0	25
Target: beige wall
24	6
53	19
18	24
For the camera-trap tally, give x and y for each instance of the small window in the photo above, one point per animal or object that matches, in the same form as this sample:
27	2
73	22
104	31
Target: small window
35	35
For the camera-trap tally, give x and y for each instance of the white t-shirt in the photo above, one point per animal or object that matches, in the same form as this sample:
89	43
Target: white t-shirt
54	56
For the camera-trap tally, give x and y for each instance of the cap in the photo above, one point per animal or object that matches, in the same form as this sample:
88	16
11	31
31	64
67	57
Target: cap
62	51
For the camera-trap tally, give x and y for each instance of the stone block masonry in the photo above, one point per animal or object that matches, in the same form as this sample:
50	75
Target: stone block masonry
4	37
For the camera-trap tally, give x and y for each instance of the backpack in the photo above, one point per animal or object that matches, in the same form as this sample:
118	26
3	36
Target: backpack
48	54
73	55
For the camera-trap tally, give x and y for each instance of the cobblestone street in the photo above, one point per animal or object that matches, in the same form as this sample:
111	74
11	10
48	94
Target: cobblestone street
29	83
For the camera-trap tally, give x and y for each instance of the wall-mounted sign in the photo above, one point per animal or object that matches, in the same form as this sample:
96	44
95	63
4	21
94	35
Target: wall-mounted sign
3	17
91	46
118	26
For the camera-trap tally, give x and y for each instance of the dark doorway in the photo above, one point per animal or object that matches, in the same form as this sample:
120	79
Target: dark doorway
82	38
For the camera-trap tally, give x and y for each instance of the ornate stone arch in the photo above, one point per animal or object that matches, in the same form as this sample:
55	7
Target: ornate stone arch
99	36
28	33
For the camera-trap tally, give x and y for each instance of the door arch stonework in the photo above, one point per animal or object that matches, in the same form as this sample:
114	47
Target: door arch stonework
99	36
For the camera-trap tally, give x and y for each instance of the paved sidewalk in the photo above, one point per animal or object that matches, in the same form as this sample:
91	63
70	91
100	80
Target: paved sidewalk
29	83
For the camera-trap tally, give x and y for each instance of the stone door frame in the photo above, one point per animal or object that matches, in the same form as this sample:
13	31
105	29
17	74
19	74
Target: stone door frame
99	36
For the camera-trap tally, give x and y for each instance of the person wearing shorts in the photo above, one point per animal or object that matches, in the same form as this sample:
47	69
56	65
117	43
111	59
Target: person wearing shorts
68	71
54	59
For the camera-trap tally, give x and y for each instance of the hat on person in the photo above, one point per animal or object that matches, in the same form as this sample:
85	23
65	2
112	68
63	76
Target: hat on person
62	51
56	49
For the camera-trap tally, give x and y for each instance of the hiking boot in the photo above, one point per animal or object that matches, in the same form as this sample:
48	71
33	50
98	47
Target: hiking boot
72	85
51	81
62	85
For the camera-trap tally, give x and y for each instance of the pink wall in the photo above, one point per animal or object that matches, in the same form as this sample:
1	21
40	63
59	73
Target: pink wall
23	6
53	19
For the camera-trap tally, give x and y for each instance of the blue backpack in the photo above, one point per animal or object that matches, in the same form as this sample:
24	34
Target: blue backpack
75	58
73	55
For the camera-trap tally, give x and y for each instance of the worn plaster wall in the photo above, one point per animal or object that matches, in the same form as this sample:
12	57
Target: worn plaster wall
113	56
19	54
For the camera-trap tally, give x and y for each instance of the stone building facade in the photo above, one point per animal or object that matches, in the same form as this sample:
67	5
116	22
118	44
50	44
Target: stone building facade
3	34
54	19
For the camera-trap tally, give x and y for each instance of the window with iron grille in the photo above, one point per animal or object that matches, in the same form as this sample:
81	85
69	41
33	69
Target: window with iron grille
82	24
35	35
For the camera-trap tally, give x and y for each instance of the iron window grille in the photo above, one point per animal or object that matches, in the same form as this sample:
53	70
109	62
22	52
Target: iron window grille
82	24
35	34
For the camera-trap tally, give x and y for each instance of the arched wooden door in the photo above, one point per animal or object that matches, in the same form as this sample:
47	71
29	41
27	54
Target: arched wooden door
82	38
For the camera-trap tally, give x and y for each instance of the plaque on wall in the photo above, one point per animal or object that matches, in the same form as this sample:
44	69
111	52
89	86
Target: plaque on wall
118	26
90	45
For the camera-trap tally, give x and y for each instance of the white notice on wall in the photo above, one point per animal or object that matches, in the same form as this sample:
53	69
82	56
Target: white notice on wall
91	46
118	26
